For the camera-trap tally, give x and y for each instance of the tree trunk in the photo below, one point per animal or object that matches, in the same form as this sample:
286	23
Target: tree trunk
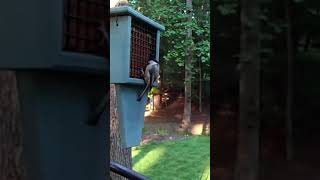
200	87
11	167
247	165
157	102
289	147
117	153
188	75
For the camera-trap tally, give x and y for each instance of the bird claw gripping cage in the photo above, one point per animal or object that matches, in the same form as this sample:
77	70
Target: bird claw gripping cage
134	38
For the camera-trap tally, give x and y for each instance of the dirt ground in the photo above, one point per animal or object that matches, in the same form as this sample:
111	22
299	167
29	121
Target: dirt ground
164	124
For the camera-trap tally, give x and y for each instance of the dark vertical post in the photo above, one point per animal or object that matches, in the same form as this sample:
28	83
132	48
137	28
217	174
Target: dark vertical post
249	121
289	135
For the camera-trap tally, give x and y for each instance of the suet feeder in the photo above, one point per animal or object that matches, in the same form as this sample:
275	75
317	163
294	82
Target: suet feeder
134	38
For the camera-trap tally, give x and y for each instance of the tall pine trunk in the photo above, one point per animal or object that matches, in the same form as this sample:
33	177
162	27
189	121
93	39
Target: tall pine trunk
11	167
200	87
117	153
289	138
188	76
247	165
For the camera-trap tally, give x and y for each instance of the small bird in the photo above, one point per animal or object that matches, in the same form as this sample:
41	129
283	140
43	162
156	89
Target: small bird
150	75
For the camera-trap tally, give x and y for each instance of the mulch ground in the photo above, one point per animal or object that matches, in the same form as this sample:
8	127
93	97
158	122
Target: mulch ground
164	124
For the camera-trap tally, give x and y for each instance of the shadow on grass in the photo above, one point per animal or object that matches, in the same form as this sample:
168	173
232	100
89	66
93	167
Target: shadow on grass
147	158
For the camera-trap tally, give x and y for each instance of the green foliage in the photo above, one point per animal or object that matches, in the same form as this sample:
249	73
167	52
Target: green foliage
227	9
154	91
186	159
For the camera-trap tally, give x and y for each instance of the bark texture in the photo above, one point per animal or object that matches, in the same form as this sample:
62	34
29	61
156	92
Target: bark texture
188	75
117	153
11	166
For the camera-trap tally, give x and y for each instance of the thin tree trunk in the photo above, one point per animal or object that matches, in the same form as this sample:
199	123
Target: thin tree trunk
117	153
11	167
200	87
188	75
289	139
247	164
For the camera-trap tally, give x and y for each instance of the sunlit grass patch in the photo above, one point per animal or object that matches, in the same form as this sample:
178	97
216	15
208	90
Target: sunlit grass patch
174	160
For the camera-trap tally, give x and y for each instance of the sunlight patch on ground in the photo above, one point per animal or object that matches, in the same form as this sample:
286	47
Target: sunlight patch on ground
148	160
135	151
196	129
206	172
147	113
172	160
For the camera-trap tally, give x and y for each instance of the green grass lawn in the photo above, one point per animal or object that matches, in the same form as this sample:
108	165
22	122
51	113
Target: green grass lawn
174	160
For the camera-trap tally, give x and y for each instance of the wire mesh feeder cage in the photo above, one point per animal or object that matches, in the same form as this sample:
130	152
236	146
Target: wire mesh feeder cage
82	19
143	46
134	39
